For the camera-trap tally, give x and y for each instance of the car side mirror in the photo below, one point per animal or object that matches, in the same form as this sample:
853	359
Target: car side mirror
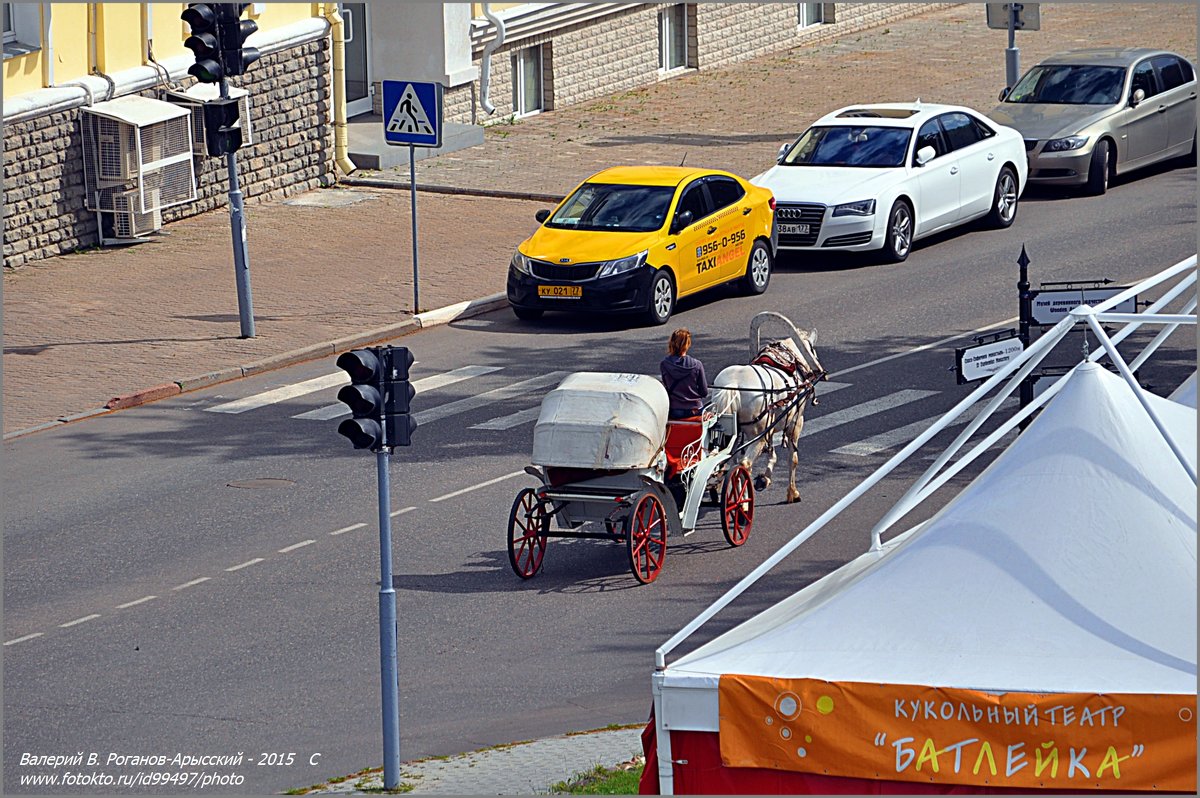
1004	93
783	148
682	220
925	155
542	215
1136	98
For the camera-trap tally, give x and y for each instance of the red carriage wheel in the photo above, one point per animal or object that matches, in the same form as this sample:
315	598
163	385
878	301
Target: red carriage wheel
528	524
737	506
646	536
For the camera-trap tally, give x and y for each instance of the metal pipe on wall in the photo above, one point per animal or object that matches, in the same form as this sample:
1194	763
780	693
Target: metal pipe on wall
485	61
341	133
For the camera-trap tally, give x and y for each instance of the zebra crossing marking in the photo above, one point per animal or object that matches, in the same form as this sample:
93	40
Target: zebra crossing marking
487	398
510	421
330	412
279	394
902	435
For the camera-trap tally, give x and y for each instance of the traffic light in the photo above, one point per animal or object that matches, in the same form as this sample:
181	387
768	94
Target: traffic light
234	31
222	133
205	41
379	397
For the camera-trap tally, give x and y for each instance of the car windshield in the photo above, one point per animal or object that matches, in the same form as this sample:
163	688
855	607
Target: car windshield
850	145
1069	85
605	206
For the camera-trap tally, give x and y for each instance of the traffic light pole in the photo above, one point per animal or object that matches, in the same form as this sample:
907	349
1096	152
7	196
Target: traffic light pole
237	221
412	182
388	667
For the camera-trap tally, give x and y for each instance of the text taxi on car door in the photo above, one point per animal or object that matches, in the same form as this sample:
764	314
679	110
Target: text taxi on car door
633	239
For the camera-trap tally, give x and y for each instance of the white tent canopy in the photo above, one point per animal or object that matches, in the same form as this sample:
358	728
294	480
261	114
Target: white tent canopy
1067	566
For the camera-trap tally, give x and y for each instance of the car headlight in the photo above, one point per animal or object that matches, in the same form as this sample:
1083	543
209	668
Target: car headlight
861	208
1068	143
520	263
622	265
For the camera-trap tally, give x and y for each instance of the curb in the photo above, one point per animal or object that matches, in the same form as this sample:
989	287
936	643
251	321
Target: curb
430	318
381	182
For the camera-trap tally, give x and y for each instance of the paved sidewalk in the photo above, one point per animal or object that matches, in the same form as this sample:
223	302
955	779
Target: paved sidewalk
527	768
333	265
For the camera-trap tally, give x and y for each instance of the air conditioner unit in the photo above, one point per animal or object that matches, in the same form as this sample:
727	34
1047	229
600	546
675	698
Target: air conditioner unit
137	161
194	98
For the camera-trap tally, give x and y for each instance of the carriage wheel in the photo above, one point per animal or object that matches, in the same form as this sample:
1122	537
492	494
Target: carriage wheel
646	536
737	506
528	524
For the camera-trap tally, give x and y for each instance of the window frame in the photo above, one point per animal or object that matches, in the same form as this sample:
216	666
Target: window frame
700	185
1152	72
970	126
520	59
943	140
667	31
803	18
715	180
1163	62
10	25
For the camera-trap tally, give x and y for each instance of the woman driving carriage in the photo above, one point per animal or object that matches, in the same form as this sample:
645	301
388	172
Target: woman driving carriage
683	376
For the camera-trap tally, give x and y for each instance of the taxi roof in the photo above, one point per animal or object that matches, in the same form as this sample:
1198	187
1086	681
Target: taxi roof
650	175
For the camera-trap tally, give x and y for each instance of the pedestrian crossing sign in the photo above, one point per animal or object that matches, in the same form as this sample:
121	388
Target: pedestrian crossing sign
412	113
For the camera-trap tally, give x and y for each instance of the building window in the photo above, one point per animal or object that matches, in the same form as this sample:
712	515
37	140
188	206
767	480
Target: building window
10	33
810	14
22	28
527	81
673	37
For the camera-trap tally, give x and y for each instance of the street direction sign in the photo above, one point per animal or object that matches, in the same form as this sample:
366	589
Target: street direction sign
982	361
1052	306
412	113
1028	17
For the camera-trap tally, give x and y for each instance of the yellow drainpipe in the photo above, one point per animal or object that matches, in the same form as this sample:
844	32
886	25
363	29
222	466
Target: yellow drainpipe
341	134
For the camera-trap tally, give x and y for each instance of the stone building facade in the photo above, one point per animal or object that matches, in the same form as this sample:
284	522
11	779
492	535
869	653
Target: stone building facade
292	150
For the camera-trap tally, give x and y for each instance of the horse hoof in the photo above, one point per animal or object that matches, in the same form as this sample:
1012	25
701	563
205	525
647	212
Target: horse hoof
793	497
760	484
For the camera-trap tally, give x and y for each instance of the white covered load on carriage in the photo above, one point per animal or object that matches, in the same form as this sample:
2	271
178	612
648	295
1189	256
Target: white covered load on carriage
1036	633
601	421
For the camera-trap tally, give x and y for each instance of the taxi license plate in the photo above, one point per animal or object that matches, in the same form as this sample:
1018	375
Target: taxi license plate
560	291
794	229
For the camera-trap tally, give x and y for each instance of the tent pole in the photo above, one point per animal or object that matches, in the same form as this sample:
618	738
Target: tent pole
666	768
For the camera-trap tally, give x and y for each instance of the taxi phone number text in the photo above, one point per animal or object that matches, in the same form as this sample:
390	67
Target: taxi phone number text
713	246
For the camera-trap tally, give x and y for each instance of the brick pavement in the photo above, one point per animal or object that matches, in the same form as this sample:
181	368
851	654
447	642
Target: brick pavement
93	325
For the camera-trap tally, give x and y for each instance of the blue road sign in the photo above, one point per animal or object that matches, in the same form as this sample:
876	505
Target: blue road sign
412	113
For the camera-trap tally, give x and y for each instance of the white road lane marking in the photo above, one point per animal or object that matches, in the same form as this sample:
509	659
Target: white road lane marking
136	602
295	546
903	435
402	511
85	618
245	564
192	583
862	410
521	388
477	487
510	421
346	529
281	394
330	412
16	640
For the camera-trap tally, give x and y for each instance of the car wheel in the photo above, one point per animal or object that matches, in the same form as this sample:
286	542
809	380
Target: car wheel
662	298
1004	200
897	240
1099	171
527	314
758	269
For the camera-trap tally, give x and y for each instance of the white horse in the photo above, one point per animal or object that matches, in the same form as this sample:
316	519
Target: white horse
766	398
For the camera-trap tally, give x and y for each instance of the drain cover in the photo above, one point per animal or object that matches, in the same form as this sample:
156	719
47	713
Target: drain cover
262	482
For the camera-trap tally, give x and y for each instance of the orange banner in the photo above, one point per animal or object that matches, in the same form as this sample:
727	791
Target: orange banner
1114	741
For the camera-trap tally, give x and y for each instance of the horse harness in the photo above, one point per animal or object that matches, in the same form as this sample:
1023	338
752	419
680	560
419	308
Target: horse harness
778	359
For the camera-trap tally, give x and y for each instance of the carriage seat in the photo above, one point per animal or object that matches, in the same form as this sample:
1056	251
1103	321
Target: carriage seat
682	433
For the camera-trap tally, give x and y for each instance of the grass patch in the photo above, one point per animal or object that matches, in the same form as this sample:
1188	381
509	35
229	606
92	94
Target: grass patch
621	780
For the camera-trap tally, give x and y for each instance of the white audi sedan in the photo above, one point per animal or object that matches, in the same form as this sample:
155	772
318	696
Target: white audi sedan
878	177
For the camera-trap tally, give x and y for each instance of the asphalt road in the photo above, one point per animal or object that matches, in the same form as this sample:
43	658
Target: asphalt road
195	581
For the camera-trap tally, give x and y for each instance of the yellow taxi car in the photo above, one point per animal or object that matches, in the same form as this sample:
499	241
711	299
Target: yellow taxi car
633	239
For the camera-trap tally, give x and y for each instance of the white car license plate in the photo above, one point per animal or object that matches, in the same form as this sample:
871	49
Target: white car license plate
794	229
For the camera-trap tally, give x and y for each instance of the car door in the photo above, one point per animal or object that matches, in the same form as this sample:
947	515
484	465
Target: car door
1144	127
695	265
1177	82
730	213
937	181
976	163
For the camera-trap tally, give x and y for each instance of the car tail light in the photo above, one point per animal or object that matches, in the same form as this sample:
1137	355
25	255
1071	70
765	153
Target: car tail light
771	203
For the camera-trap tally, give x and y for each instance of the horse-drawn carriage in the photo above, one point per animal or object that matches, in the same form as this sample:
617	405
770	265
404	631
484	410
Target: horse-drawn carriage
613	467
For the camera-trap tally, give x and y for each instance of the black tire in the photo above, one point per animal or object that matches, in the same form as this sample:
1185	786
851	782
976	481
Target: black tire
662	298
758	269
897	240
527	314
1100	169
1004	200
